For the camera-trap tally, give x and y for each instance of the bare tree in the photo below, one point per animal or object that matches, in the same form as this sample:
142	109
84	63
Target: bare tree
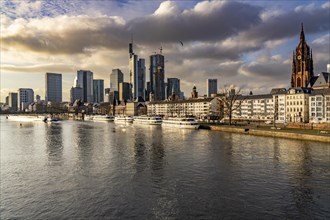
231	100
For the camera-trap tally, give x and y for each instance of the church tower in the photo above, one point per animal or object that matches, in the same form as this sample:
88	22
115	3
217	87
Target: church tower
302	63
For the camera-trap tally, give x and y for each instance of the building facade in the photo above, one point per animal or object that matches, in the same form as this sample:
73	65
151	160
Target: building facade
211	87
12	101
157	76
319	106
85	81
98	90
199	108
25	97
297	105
53	90
254	107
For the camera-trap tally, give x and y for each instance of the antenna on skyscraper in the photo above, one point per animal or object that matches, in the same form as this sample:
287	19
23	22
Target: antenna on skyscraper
160	49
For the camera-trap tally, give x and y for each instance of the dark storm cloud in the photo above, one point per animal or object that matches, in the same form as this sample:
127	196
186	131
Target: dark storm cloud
287	25
213	25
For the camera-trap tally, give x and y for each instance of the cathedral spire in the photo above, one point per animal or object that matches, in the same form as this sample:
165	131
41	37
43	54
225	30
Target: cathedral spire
302	34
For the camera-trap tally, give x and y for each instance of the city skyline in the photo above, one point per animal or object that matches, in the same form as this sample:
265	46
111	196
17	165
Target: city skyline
253	50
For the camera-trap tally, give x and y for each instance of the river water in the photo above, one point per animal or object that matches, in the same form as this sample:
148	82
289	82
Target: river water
92	170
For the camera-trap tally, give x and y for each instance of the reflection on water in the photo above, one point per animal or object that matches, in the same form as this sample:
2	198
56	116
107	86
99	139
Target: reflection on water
86	170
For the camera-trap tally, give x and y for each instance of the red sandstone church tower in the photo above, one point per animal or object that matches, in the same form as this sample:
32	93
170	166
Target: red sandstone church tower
302	63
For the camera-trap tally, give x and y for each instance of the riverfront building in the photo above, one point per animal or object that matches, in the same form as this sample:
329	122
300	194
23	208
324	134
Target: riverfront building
211	87
200	108
53	90
25	97
319	106
98	90
85	81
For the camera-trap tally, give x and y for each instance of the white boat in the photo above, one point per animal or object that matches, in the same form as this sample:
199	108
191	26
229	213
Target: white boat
123	119
102	118
190	123
148	120
27	118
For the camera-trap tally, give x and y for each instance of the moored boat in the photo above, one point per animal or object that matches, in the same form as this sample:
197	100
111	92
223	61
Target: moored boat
102	118
190	123
148	120
123	119
27	118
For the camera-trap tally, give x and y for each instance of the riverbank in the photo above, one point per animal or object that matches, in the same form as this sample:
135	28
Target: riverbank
290	134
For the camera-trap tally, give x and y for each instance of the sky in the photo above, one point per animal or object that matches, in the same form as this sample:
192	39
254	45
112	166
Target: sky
248	44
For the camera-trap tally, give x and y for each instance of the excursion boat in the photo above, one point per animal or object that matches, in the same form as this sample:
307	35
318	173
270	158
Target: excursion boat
102	118
123	119
148	120
26	118
190	123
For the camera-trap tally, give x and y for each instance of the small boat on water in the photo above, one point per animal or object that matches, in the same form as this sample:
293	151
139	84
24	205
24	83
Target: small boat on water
190	123
123	119
148	120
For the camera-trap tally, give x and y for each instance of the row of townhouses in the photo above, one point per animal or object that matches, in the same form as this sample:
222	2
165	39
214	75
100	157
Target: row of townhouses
311	104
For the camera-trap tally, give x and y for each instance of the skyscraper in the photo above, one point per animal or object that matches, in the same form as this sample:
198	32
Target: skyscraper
157	76
173	85
116	77
76	93
85	81
137	72
12	101
124	91
53	88
25	97
98	90
211	87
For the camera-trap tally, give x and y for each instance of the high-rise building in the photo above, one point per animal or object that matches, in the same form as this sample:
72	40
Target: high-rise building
173	85
98	87
302	63
116	77
85	81
157	76
38	98
7	100
124	91
106	96
25	97
137	72
328	68
211	87
76	93
12	101
53	87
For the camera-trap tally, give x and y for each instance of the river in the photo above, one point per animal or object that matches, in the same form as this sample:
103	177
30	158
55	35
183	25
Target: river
92	170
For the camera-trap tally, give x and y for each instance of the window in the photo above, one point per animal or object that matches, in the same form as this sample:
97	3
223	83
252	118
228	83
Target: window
313	99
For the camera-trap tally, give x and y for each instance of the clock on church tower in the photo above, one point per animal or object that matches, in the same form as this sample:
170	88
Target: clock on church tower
302	63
